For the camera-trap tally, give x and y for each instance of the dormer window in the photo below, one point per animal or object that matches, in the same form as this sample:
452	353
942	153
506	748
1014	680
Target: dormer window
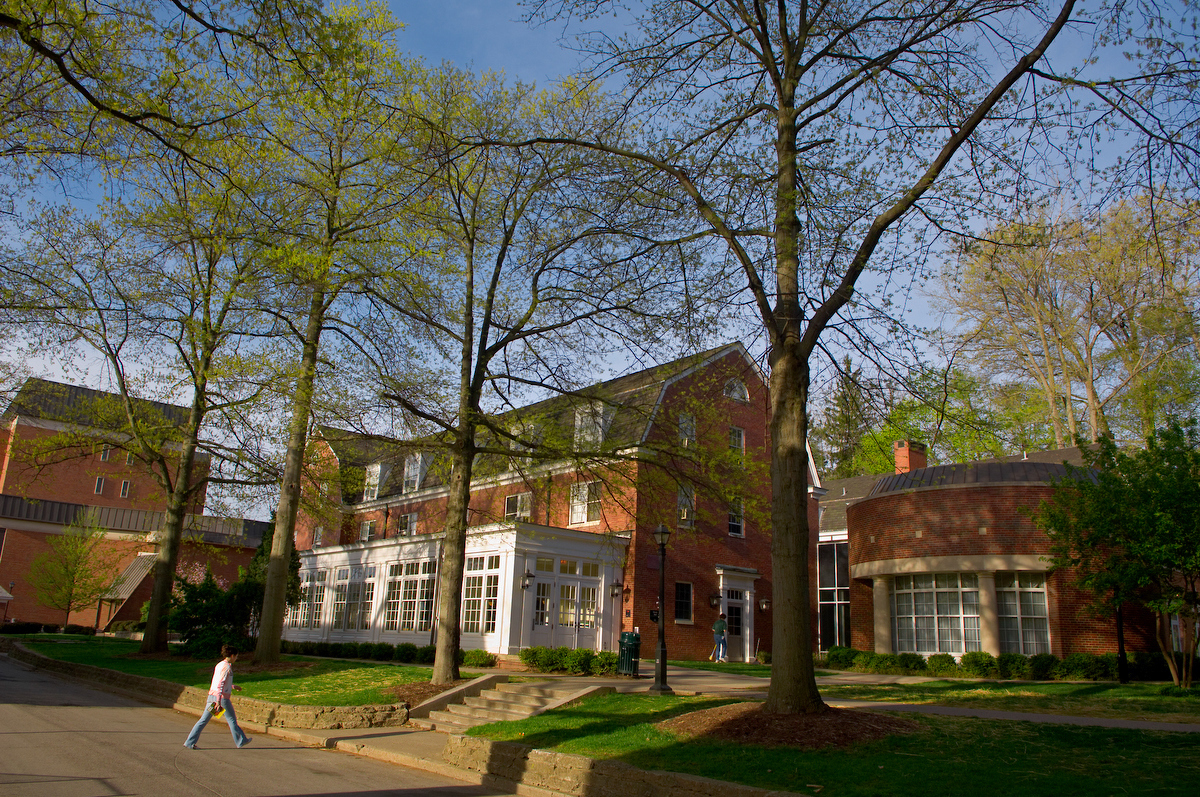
687	430
414	472
591	424
736	390
371	481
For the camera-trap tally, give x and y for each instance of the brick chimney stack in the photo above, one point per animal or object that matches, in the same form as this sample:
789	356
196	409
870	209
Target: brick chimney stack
910	455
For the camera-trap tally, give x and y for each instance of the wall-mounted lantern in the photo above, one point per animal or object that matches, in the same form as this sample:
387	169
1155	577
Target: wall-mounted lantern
614	590
714	600
526	580
764	603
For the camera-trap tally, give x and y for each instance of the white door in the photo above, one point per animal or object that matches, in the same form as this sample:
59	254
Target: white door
542	632
735	616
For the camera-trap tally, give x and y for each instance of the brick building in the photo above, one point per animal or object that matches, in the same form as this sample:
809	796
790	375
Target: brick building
946	559
62	454
559	550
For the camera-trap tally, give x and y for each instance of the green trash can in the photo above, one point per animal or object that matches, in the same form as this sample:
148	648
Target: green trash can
629	653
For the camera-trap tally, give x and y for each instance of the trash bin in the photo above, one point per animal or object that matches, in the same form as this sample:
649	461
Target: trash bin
629	652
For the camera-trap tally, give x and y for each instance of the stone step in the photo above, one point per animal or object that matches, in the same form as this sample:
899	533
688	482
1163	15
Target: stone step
549	693
448	723
515	699
486	714
496	701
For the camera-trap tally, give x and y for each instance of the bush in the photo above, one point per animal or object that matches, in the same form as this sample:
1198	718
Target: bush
605	663
840	658
763	656
382	651
1013	665
528	657
1151	665
21	628
912	662
82	630
1042	666
322	649
406	653
941	664
979	663
307	649
1172	690
1081	667
426	654
479	658
549	660
49	628
123	626
579	661
365	650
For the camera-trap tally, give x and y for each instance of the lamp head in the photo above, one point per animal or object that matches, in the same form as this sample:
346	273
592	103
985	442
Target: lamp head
662	534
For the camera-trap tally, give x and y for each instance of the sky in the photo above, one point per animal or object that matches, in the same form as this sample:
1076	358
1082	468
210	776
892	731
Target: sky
482	35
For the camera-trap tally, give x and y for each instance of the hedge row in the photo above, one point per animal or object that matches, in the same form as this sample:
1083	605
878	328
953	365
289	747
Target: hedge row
405	652
577	662
978	664
46	628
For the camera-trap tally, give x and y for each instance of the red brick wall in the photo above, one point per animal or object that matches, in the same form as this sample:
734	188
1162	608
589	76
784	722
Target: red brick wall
32	468
948	522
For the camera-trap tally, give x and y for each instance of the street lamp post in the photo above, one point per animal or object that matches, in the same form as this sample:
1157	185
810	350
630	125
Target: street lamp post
661	535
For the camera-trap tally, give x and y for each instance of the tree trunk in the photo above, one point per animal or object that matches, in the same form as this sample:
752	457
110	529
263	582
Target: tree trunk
454	548
1162	635
793	679
270	629
155	638
1122	659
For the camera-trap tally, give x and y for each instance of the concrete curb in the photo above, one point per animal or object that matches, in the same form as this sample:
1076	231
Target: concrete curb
470	689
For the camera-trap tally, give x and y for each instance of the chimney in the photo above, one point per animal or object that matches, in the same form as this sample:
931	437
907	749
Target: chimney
910	455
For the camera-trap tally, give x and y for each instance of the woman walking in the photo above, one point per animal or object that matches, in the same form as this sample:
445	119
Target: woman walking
218	695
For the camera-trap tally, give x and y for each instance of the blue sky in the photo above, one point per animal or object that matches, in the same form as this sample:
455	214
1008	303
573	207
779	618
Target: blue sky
482	35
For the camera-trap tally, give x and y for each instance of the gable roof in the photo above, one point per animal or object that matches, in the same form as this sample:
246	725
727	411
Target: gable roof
83	406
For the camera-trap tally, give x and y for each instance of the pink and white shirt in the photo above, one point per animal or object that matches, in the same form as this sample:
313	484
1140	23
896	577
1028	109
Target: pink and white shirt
222	682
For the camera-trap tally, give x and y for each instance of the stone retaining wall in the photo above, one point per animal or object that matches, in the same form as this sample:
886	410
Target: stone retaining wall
165	693
577	775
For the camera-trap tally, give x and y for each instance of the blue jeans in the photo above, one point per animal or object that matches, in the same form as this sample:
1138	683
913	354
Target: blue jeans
239	736
719	639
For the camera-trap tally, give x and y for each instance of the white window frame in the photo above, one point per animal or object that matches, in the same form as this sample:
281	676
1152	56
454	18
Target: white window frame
125	488
366	531
591	425
1027	612
686	506
737	442
128	457
687	430
414	472
691	604
371	481
406	524
99	485
518	506
736	390
585	503
105	452
737	518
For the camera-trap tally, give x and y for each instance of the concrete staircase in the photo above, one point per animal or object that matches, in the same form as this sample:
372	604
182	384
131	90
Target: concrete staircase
503	702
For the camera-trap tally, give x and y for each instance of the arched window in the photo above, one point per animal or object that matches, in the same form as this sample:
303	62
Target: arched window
736	390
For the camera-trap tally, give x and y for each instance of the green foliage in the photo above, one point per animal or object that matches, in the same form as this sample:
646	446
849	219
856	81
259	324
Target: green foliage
82	630
365	650
382	651
1013	665
21	628
763	657
605	663
1084	667
406	652
426	654
579	661
979	663
942	664
841	658
479	658
912	662
1042	666
206	616
77	570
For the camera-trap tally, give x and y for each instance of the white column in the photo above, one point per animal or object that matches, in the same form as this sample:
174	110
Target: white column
883	614
989	615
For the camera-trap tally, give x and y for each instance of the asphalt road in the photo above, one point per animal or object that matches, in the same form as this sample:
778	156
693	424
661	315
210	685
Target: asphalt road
61	739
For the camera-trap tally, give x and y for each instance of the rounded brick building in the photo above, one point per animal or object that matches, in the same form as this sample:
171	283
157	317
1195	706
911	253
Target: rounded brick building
946	559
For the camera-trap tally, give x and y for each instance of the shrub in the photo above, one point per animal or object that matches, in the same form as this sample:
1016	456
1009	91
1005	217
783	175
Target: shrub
886	663
763	656
82	630
306	648
49	628
840	658
1150	666
406	653
1171	690
1042	666
479	658
528	657
21	628
979	663
1013	665
322	649
579	661
605	663
913	662
1109	662
382	651
426	654
547	660
1081	667
122	626
942	664
365	650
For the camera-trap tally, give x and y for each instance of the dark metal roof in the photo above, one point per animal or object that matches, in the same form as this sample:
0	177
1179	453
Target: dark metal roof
840	493
1026	471
82	406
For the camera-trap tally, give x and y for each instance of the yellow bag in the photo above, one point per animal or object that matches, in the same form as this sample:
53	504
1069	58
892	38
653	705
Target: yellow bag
218	711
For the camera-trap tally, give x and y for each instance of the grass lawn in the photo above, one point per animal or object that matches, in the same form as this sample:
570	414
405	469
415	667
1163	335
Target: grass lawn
311	682
948	755
754	670
1111	700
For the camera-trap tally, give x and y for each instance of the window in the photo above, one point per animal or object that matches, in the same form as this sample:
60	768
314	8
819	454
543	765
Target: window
936	613
352	601
517	507
687	430
686	501
129	458
371	481
527	436
737	518
736	390
1024	619
585	502
833	591
591	423
733	611
545	564
481	593
366	531
472	603
406	525
591	569
567	604
125	489
737	443
312	598
683	602
391	598
414	472
99	485
587	606
541	604
568	566
104	453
